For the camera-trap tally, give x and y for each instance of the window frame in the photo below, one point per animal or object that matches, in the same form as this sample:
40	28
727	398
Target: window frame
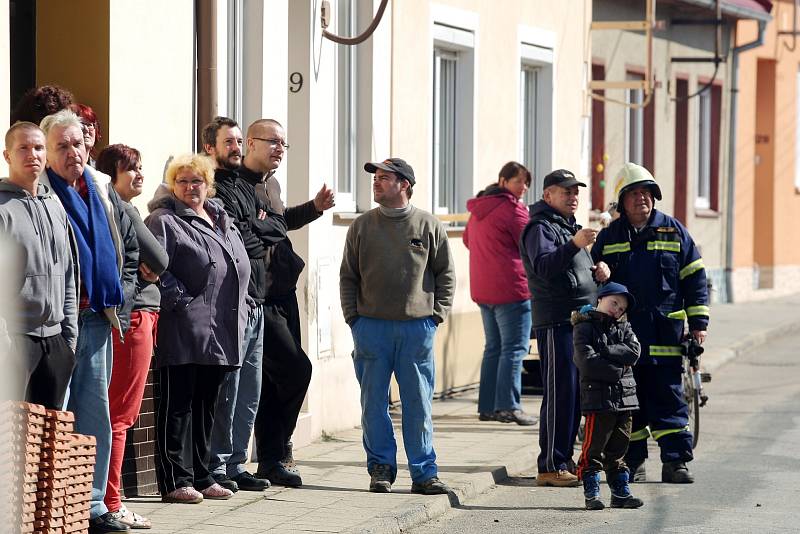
454	32
347	110
536	114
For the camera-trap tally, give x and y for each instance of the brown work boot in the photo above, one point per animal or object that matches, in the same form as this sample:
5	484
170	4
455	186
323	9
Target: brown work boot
559	479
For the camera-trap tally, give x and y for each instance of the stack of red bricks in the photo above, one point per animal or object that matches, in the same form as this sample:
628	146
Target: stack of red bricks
57	471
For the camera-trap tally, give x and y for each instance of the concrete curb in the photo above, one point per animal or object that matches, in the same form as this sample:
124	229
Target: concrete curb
721	356
400	520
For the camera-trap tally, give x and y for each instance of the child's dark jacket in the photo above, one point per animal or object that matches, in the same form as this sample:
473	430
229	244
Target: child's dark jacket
605	352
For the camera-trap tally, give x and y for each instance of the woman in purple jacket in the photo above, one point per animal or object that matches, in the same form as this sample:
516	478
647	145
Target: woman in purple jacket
200	326
499	287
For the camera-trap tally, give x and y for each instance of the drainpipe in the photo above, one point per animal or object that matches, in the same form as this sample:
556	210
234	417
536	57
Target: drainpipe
731	200
206	42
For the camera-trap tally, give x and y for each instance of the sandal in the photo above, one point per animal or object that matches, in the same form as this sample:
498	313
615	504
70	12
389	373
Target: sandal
132	519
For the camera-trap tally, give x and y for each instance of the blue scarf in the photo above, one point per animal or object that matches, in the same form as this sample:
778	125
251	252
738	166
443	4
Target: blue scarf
96	250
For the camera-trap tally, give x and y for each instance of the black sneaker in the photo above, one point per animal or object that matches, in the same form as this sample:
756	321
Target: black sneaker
515	416
432	486
288	462
676	473
637	473
279	476
625	502
486	417
594	503
248	482
106	523
225	481
381	479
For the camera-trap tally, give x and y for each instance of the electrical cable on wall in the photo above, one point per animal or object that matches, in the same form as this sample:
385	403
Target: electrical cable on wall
325	12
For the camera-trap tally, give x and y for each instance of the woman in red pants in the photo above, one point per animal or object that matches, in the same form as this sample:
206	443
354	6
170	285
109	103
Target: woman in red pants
131	356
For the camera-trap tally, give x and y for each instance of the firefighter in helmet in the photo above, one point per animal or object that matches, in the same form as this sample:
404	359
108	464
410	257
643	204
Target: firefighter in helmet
655	257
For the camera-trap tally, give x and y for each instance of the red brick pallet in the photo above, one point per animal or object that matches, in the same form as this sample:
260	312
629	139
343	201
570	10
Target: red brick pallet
52	470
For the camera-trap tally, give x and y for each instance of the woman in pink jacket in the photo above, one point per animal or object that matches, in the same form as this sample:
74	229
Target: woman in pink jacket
499	286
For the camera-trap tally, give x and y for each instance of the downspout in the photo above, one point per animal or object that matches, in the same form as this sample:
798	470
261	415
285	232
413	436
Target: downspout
731	200
206	76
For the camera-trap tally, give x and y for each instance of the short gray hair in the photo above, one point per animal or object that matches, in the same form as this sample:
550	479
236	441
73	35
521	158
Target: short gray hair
64	118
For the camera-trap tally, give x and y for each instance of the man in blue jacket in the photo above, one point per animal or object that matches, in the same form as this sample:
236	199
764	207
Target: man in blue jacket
554	250
655	257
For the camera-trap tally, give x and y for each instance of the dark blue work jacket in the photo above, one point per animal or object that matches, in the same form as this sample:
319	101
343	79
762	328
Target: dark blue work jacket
662	267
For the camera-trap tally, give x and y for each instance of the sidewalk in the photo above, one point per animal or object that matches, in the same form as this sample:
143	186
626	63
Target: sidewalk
472	456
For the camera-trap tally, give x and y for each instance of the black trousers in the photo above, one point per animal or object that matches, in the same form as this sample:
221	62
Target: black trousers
185	417
47	364
605	443
286	374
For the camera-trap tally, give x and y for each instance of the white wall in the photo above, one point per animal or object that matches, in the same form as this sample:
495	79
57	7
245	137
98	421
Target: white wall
151	83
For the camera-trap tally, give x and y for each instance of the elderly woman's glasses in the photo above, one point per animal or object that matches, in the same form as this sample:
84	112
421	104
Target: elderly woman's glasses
190	183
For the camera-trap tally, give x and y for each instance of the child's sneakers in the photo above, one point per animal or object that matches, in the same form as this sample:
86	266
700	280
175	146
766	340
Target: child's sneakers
591	491
621	493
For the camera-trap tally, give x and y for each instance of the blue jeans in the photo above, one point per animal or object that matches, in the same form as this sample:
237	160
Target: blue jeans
237	403
87	396
507	328
404	348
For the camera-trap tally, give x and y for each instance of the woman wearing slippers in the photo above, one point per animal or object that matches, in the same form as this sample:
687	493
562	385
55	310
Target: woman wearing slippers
131	355
200	326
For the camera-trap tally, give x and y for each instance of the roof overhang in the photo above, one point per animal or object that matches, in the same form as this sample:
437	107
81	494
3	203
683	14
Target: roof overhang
740	9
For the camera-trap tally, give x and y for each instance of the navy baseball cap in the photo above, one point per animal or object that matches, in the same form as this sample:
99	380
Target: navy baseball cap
562	178
395	165
613	288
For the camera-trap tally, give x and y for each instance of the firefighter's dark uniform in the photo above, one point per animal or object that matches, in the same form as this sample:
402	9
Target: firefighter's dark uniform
662	267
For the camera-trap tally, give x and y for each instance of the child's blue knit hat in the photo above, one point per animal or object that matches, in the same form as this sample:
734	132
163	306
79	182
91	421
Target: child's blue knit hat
613	288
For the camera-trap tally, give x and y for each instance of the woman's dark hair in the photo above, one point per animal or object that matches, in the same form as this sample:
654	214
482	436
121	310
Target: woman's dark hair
40	102
118	158
512	169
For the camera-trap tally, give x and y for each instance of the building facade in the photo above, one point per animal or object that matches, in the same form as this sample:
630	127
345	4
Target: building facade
456	87
766	256
681	134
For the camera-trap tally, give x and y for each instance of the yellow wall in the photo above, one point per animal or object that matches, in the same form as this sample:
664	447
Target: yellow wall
5	66
72	40
775	206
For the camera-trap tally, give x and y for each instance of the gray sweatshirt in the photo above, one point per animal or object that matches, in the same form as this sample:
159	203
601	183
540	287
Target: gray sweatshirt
397	267
39	226
148	296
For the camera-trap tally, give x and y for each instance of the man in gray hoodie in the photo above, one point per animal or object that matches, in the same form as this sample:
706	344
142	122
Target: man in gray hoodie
44	332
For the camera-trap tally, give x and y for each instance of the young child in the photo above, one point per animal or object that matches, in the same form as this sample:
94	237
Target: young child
605	350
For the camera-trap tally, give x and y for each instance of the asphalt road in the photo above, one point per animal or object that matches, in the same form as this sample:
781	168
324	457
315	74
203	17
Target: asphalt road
746	468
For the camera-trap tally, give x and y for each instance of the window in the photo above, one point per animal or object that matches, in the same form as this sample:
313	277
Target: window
703	185
453	119
536	105
708	127
347	170
634	134
640	127
229	60
444	128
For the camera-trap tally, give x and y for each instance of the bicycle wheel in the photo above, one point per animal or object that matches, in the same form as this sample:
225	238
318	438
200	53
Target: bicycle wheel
692	396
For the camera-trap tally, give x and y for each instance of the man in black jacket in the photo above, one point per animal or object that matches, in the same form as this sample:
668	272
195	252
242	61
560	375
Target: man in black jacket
559	271
260	228
286	367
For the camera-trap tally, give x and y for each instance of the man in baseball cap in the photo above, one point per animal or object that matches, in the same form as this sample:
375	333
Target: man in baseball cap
396	165
393	318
